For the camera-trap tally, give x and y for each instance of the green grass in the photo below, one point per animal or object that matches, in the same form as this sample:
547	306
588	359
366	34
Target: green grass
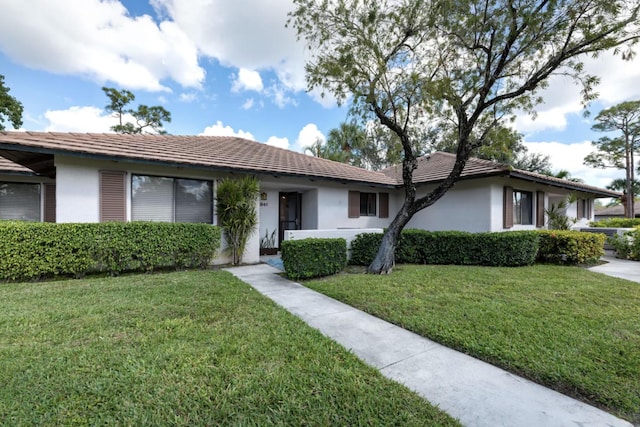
573	330
190	348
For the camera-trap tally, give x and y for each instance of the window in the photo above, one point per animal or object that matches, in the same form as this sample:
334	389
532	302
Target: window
365	204
522	207
368	204
19	201
164	199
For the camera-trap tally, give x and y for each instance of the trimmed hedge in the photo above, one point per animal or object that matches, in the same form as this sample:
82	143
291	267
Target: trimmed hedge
616	223
570	247
514	248
37	250
307	258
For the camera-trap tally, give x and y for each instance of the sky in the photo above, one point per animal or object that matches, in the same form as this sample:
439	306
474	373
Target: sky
229	68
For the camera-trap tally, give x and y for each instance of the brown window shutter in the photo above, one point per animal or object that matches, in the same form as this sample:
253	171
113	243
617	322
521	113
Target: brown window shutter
384	205
589	204
354	204
50	203
112	196
540	209
580	213
507	207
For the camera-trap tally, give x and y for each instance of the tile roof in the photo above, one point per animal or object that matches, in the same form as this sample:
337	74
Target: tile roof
36	150
217	152
436	167
9	166
617	210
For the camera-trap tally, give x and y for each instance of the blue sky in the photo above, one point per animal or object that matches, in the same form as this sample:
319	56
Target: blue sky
225	67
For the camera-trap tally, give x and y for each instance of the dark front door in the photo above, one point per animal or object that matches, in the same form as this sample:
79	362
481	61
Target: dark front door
290	213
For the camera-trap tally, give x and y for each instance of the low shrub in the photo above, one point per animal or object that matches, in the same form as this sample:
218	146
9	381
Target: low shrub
452	247
307	258
37	250
616	223
570	247
627	246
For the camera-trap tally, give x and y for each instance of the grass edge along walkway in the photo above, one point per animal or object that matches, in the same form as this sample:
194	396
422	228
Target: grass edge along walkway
567	328
188	348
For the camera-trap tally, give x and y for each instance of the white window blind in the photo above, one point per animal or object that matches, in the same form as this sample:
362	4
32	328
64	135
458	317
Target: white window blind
20	201
151	198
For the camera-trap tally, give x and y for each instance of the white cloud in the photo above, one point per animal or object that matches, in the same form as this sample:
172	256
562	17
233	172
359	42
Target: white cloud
307	136
188	97
100	40
278	142
619	81
219	129
248	104
247	80
79	119
570	157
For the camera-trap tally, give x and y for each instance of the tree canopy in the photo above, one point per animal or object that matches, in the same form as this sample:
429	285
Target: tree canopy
10	108
619	152
146	118
418	66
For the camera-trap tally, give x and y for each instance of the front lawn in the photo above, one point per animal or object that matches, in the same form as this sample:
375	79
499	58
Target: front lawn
190	348
573	330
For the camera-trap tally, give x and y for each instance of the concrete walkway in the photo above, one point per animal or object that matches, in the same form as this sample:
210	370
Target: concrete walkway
616	267
476	393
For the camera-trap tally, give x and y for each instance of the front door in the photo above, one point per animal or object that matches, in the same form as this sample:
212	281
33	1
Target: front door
290	213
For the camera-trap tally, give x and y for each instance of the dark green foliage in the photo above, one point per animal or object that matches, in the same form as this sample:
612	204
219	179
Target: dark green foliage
37	250
570	247
617	223
237	214
307	258
627	246
10	108
453	247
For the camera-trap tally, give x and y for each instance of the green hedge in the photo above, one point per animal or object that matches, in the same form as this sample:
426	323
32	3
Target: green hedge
617	223
570	247
453	247
307	258
38	250
627	246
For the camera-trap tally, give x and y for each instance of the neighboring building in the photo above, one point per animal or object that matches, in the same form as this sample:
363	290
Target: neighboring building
112	177
616	211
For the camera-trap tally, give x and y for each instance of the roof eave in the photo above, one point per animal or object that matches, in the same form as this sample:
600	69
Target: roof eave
567	185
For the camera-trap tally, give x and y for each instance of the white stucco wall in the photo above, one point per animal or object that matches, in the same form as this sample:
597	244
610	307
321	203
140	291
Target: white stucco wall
467	207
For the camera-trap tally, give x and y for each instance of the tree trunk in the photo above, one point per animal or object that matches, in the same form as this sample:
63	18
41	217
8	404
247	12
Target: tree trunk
385	258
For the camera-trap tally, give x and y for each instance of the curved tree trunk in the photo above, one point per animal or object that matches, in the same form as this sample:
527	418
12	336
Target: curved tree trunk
385	258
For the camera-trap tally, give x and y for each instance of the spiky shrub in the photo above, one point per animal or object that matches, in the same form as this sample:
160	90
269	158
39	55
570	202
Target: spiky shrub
236	201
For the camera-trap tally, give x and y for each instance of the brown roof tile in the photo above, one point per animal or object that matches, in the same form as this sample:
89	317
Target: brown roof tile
238	154
437	166
9	166
217	152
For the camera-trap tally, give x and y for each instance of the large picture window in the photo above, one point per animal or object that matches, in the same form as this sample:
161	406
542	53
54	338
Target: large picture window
20	201
155	198
522	207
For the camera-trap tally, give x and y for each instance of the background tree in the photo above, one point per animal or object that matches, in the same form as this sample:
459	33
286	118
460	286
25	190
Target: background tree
10	108
236	207
503	145
619	152
416	64
620	184
146	118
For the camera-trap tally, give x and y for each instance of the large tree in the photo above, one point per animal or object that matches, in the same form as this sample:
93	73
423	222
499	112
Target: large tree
619	152
10	108
414	64
146	118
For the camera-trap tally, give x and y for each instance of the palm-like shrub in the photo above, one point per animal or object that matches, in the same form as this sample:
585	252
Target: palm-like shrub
237	215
